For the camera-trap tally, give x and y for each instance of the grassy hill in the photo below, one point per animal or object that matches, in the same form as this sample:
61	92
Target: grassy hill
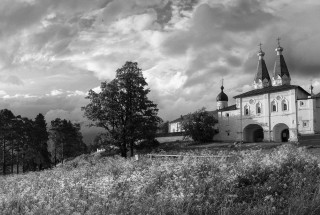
286	180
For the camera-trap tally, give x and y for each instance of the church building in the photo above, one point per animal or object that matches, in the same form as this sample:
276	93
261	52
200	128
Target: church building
274	111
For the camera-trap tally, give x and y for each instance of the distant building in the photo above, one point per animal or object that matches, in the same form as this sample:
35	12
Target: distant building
274	110
175	125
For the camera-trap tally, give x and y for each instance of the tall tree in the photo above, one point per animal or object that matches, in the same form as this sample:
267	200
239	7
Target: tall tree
123	108
41	137
67	139
6	124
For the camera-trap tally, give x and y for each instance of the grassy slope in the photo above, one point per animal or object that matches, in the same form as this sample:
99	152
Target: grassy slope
285	180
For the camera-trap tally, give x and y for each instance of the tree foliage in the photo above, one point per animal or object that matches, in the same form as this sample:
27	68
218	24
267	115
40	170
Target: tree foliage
67	140
23	142
199	126
123	108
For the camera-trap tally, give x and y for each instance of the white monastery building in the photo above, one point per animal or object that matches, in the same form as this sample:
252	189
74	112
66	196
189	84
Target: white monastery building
274	111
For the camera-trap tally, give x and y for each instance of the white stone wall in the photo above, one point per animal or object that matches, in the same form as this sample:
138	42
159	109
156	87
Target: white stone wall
227	126
175	127
305	116
272	122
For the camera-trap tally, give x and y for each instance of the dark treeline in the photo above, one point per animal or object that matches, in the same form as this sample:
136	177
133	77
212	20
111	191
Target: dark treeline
24	142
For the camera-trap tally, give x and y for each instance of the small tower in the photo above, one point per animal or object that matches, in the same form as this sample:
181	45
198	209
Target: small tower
262	78
222	99
281	74
311	90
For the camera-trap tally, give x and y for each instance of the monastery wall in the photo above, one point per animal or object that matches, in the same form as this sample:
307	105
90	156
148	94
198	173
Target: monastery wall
305	114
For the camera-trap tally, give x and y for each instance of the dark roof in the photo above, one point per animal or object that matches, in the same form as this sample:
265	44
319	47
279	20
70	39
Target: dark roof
262	71
232	107
222	96
280	67
270	89
178	119
316	96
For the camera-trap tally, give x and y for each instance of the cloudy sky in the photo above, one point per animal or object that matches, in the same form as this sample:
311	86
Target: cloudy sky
53	51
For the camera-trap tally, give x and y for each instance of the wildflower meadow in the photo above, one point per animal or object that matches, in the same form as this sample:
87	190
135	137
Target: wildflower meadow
283	181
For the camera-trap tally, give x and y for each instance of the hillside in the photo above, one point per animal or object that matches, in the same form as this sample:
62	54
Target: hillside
286	180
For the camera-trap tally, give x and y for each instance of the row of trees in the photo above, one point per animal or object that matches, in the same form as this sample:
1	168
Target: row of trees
24	142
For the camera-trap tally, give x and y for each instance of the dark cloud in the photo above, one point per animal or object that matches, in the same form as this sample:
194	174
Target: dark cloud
16	15
164	13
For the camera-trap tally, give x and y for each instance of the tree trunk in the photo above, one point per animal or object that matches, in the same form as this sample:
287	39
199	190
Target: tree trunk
11	155
4	156
123	150
18	161
23	162
55	154
131	148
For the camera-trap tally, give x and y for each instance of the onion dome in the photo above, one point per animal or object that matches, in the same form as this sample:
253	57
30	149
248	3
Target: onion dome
222	96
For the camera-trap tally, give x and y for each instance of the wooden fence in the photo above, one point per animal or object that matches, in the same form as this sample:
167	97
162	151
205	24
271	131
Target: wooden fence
191	156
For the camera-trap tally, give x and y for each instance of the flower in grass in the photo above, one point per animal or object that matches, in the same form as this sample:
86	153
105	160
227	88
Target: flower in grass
269	198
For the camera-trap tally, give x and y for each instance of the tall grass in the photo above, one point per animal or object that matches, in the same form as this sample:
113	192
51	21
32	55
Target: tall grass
285	181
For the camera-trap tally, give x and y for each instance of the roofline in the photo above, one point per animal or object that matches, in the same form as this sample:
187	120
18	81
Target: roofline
279	90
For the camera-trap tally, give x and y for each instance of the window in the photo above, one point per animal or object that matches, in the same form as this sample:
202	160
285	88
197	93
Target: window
246	110
258	108
284	105
227	114
305	123
274	106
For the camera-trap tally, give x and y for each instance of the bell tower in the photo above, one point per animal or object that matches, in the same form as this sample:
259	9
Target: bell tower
262	78
281	75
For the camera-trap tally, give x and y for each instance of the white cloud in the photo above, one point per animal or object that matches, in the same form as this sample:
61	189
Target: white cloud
55	93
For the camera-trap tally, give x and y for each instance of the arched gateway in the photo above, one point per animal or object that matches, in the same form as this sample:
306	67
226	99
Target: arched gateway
253	133
281	133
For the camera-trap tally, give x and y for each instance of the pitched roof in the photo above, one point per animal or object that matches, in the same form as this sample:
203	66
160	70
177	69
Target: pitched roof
262	71
232	107
271	89
280	66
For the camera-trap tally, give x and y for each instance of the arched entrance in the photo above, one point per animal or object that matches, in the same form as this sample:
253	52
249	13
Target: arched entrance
281	133
253	133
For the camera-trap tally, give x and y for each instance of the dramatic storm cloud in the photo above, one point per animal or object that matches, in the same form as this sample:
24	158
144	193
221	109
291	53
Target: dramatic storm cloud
53	51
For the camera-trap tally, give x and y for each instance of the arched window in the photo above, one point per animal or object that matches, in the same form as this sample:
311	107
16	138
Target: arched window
246	110
274	107
285	105
258	108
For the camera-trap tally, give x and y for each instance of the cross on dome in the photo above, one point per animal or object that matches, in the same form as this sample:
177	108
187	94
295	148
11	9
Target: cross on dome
260	45
279	41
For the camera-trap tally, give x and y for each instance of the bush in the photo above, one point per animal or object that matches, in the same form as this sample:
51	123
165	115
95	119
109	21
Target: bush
199	126
147	144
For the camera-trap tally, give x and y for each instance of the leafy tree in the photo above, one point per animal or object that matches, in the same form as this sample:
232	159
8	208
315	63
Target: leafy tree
164	127
199	126
123	108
